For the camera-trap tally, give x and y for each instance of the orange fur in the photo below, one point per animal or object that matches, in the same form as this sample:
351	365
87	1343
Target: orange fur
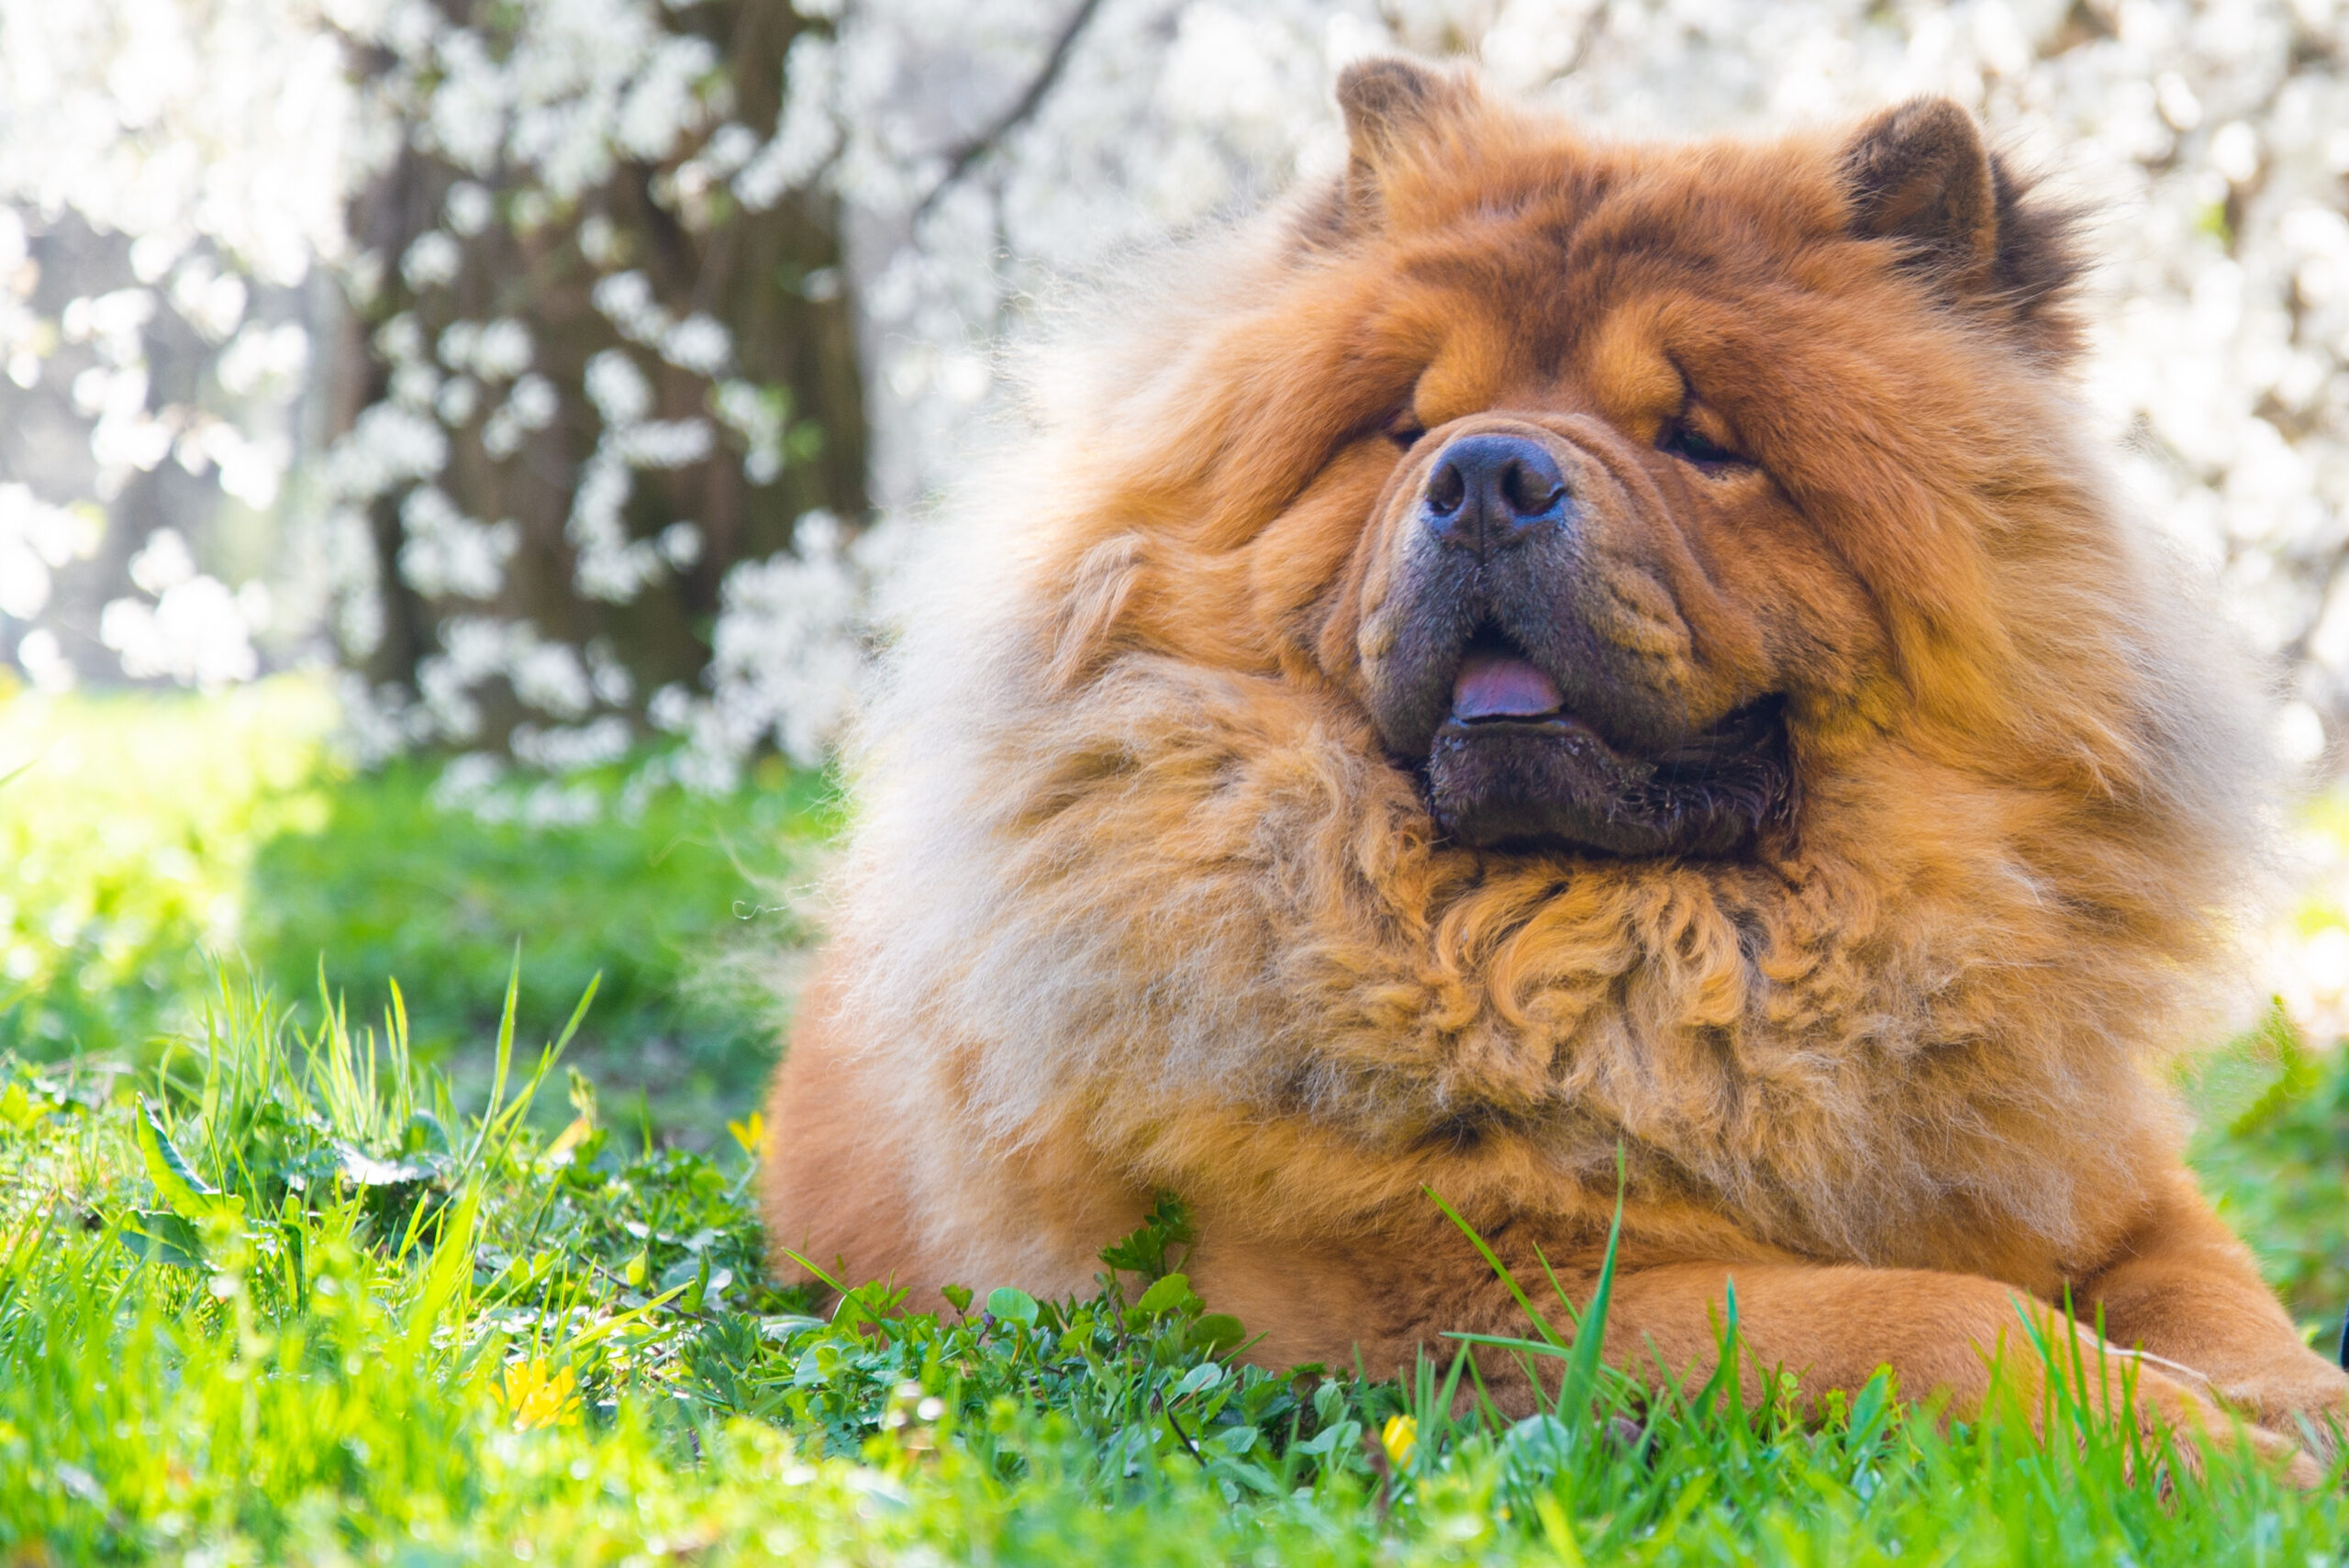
1138	899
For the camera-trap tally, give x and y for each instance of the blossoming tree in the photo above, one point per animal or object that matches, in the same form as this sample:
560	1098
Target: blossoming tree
605	360
654	324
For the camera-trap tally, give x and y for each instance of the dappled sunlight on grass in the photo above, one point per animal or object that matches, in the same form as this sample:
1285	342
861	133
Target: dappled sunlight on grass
674	905
147	831
128	826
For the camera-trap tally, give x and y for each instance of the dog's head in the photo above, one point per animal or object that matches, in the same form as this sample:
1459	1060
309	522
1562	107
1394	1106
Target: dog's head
1619	485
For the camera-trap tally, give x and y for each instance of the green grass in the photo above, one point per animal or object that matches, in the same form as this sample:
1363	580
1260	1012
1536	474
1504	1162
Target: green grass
147	832
283	1284
286	1299
128	824
673	906
2273	1151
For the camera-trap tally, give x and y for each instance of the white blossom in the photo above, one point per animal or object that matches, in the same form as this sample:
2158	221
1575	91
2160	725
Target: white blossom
36	539
400	340
679	545
164	563
44	663
550	677
444	553
534	402
211	301
470	208
699	343
433	259
756	415
503	350
459	396
662	103
626	300
567	750
806	130
618	388
530	405
661	443
264	357
415	385
197	633
785	659
388	445
608	564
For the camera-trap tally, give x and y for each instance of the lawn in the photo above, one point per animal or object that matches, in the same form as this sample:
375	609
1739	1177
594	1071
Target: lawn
152	835
379	1275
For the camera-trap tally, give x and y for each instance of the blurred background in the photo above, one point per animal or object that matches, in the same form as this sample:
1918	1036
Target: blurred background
449	448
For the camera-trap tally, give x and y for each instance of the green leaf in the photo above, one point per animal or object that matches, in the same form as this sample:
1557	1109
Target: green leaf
1492	1261
19	1109
1581	1382
1234	1443
1206	1374
424	1134
504	1059
1166	1296
1009	1306
451	1273
183	1190
1216	1332
162	1236
958	1296
2291	1086
1143	1252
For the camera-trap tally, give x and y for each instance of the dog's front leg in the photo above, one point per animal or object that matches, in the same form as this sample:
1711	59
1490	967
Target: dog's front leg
1831	1328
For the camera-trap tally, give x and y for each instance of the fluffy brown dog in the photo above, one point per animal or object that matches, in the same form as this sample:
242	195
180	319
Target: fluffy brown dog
1543	648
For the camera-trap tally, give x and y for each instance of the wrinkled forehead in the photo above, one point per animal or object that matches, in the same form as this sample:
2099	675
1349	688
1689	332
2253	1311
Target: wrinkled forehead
1585	251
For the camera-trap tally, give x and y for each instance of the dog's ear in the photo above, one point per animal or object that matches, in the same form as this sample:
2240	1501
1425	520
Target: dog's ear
1921	175
1391	105
1385	100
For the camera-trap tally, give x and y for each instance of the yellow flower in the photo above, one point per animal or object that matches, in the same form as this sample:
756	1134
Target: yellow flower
750	1134
1398	1438
535	1398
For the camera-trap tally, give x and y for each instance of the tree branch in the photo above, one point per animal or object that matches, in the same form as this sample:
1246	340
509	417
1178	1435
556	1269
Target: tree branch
959	162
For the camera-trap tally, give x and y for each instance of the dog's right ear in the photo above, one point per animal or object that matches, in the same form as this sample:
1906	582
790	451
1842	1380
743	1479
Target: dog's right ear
1391	105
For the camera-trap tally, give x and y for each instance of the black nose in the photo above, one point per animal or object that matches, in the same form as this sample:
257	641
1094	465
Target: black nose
1485	493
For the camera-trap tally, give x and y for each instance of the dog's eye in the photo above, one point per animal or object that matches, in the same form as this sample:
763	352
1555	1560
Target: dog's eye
1403	428
1683	440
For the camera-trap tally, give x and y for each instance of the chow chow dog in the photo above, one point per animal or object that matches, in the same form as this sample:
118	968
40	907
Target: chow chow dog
1547	652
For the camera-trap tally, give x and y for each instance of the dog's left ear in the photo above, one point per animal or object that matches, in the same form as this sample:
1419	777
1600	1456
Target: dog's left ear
1385	99
1920	174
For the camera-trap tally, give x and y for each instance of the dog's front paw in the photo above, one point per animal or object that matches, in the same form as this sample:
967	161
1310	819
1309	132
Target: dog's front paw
2304	1397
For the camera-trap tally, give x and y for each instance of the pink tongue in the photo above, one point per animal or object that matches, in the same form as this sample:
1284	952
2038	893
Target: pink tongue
1500	685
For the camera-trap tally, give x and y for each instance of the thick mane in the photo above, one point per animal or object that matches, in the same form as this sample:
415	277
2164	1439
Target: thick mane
1129	865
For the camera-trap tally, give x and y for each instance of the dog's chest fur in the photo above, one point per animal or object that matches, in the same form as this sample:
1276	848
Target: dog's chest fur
1194	920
